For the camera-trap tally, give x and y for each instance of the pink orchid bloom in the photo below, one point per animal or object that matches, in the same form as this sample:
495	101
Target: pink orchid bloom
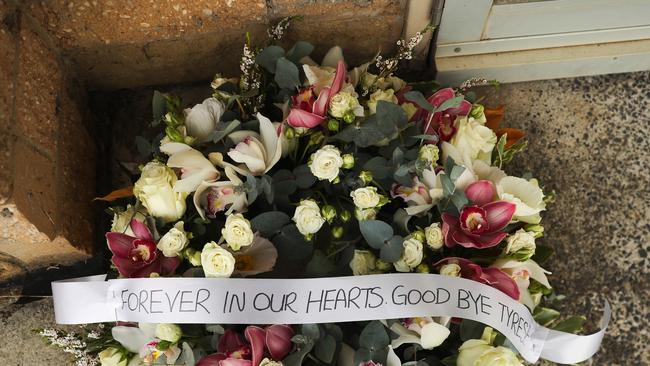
308	111
479	225
231	351
490	276
275	338
370	363
442	122
137	257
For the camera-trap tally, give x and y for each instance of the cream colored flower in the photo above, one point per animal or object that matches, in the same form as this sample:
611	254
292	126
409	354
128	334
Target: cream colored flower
308	217
155	189
450	269
365	214
195	168
257	153
343	103
237	232
326	162
168	332
216	261
112	356
122	220
526	194
498	356
433	234
423	331
366	197
411	257
269	362
363	262
202	119
174	241
225	196
522	243
387	95
521	273
474	139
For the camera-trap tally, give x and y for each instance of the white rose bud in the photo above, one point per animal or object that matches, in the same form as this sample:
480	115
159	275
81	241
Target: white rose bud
451	269
155	189
433	233
174	241
308	217
363	262
498	356
387	95
193	256
112	356
326	163
474	139
202	119
429	153
216	261
269	362
343	102
237	232
122	220
521	244
365	214
366	197
412	256
168	332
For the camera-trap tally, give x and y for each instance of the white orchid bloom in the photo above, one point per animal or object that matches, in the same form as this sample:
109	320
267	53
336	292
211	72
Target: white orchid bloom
258	152
194	166
423	331
474	169
425	194
202	119
522	272
142	340
213	197
526	194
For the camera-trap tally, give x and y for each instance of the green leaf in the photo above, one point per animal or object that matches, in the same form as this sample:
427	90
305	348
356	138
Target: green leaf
251	188
299	50
545	316
571	325
498	152
470	329
379	167
158	107
320	265
304	176
447	185
310	330
456	172
268	58
269	223
449	360
374	336
450	103
291	244
390	117
284	182
419	99
542	253
163	345
459	200
144	147
364	134
218	135
298	355
325	349
286	74
425	87
392	250
376	232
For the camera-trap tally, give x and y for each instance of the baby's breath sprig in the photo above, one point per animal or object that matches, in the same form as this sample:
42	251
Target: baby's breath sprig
250	82
71	343
277	31
405	50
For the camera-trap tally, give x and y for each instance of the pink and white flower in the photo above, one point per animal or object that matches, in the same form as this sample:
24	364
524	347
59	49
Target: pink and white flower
257	152
490	276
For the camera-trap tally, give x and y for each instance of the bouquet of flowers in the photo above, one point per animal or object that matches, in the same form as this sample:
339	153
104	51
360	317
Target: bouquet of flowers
305	169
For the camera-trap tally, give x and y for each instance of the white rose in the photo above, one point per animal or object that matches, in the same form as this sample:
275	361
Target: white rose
111	357
365	214
344	102
155	189
168	332
237	232
470	351
308	218
526	194
216	261
122	220
433	334
366	197
411	257
269	362
326	162
451	269
363	262
202	119
521	242
387	95
474	139
174	241
434	237
497	356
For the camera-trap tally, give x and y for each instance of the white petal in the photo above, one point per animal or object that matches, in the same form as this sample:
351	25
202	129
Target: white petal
332	57
254	165
392	359
271	141
174	147
132	338
415	210
239	136
433	334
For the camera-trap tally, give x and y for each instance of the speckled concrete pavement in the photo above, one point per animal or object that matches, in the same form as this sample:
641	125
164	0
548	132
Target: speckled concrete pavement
588	141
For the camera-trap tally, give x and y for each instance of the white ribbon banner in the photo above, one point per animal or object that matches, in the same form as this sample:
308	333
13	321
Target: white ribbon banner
320	300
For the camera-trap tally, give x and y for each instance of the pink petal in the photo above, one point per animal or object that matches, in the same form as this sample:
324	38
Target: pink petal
141	230
439	97
449	227
168	265
501	281
120	244
462	239
125	266
301	118
211	360
235	362
481	192
229	342
323	101
146	271
339	79
488	240
462	110
278	340
256	336
499	214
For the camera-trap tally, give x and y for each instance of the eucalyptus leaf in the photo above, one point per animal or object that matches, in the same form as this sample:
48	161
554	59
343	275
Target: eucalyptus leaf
419	99
450	103
304	176
310	330
268	57
449	360
573	324
364	134
286	74
298	355
299	50
219	135
379	167
144	147
320	265
459	200
375	232
291	244
456	172
325	349
158	107
542	253
284	182
390	117
269	223
544	316
470	329
392	250
448	187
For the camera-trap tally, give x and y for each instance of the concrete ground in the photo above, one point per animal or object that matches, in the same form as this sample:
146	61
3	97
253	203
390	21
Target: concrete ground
588	141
